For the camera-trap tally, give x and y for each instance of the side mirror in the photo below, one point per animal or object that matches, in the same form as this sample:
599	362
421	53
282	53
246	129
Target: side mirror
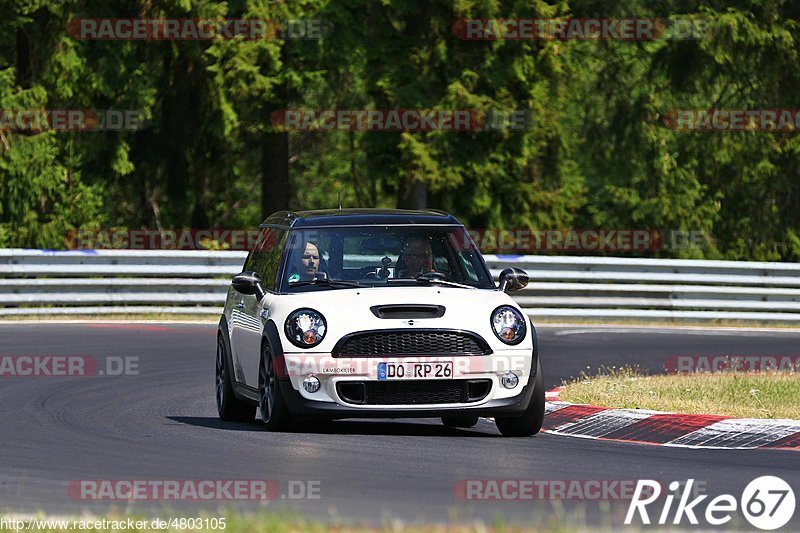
249	283
513	279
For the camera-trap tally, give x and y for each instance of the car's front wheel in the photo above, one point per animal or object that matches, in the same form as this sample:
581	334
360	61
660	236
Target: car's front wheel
530	422
271	405
229	407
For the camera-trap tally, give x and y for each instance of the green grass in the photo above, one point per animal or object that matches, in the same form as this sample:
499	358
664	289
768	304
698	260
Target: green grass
745	395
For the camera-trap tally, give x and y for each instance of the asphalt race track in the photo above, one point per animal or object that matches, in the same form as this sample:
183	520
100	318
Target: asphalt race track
162	424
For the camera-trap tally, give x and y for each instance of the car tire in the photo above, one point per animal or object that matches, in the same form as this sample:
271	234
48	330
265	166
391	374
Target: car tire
273	412
229	407
530	422
460	421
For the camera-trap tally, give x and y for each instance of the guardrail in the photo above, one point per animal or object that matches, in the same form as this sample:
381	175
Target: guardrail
42	282
625	288
562	287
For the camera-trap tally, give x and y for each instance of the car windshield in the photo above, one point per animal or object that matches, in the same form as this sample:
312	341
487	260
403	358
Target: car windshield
378	256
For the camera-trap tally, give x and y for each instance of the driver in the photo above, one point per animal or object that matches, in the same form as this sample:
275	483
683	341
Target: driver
307	263
416	258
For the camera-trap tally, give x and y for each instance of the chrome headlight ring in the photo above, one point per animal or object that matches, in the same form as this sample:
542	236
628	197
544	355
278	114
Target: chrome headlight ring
508	324
305	328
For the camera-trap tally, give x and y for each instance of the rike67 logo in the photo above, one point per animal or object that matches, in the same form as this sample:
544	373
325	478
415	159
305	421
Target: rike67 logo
767	503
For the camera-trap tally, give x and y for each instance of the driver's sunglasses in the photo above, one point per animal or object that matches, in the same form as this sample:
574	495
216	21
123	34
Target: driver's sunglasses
309	256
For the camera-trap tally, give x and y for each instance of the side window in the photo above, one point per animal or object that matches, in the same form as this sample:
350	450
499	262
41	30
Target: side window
468	262
265	258
442	257
466	257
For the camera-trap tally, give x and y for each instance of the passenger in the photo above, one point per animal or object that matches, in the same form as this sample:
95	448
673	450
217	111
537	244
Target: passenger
416	258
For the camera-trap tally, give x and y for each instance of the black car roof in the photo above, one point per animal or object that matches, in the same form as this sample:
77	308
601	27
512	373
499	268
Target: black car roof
360	217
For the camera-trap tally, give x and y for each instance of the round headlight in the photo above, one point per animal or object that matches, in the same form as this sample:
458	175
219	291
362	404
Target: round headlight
508	324
305	328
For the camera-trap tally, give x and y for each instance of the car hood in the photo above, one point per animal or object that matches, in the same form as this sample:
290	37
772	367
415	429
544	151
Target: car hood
348	310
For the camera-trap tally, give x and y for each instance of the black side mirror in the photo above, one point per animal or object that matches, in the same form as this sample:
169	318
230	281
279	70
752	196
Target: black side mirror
513	279
249	283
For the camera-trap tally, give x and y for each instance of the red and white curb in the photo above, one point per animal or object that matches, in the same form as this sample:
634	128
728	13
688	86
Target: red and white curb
668	429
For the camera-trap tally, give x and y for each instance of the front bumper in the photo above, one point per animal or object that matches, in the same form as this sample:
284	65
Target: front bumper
328	402
303	407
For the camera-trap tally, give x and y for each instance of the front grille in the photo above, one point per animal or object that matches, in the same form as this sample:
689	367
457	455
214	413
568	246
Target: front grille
414	392
414	342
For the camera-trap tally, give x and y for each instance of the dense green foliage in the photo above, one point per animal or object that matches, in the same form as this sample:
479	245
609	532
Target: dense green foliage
596	155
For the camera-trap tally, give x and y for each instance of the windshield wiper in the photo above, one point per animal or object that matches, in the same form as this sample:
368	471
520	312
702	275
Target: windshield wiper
326	282
424	278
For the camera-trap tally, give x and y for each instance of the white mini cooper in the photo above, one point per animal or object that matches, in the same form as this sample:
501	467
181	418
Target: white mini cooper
355	313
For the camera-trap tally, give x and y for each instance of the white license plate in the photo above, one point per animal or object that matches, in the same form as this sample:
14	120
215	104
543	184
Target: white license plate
429	370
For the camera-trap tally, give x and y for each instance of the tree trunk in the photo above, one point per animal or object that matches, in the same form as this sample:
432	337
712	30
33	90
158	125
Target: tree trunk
275	159
23	60
414	195
275	173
